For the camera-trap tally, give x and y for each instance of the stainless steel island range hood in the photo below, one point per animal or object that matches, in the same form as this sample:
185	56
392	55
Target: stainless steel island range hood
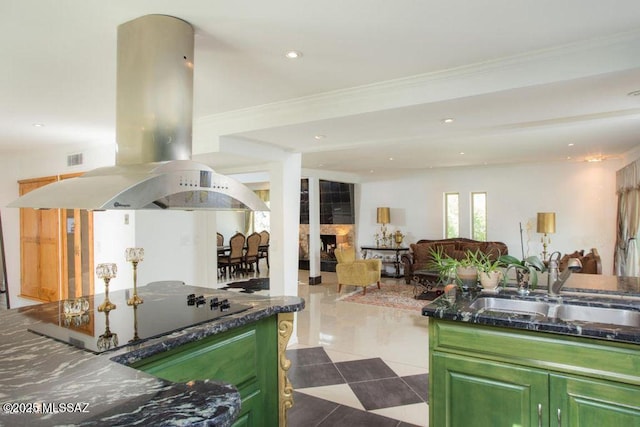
154	104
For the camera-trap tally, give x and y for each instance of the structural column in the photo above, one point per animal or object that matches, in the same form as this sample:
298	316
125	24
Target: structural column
314	231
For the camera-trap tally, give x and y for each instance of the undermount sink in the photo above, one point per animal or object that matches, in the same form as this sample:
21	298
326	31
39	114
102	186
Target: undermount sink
613	316
511	306
564	312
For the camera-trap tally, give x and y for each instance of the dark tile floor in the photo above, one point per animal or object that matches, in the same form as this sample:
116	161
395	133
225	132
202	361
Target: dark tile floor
372	381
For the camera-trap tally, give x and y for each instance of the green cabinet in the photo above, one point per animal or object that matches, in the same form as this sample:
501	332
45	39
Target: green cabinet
484	393
491	376
589	402
245	357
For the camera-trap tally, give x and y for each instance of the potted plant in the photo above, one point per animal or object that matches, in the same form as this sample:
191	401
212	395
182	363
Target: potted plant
467	272
489	270
462	271
443	265
526	271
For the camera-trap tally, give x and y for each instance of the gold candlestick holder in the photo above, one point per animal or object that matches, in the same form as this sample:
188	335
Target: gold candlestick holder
134	256
106	272
108	339
135	325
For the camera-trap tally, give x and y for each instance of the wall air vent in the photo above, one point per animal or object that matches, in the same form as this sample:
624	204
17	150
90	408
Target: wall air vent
74	159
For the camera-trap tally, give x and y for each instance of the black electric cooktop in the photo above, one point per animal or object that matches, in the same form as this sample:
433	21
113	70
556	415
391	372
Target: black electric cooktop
99	331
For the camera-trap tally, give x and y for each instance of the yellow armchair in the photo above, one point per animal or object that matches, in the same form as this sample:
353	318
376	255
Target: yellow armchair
356	272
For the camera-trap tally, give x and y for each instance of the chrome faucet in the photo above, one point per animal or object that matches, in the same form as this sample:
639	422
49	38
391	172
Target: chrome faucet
555	287
574	264
553	268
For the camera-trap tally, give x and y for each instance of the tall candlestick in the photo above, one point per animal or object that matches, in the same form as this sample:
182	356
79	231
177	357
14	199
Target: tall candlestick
134	256
106	272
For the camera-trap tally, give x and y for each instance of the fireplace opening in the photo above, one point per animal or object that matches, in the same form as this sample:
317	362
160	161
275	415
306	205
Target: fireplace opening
327	247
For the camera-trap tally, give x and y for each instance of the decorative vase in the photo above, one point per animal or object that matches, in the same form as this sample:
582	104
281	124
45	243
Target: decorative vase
468	277
490	281
522	278
398	236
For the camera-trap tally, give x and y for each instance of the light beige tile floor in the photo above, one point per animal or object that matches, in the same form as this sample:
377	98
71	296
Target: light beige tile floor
351	331
397	336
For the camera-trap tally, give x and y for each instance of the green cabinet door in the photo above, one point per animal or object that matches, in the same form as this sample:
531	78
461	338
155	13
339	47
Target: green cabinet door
245	357
591	403
472	392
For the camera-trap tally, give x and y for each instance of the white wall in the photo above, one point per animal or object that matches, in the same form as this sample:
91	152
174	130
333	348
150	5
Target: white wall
230	223
112	232
171	242
582	195
10	223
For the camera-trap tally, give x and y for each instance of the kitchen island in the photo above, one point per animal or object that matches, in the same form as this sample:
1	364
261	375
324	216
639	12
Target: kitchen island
88	381
510	360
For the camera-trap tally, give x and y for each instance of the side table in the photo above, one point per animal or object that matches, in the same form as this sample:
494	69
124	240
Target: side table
425	282
396	261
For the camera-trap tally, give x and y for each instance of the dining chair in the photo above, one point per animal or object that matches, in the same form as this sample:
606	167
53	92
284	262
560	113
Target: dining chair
251	252
263	252
230	263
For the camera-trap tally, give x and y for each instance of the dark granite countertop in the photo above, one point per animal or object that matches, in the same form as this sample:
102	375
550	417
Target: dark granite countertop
622	293
99	389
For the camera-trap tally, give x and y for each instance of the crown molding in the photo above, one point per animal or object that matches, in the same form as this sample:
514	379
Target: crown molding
576	60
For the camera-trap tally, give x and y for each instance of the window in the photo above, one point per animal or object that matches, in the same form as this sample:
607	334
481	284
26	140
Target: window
452	215
479	216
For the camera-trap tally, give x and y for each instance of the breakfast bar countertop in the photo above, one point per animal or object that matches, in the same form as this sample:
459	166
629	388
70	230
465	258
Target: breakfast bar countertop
74	386
617	292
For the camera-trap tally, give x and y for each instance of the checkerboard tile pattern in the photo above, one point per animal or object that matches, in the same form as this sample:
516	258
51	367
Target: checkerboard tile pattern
364	392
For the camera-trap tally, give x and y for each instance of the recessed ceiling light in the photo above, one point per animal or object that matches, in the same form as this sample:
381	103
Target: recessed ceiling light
462	153
447	120
38	125
293	54
390	158
571	144
320	137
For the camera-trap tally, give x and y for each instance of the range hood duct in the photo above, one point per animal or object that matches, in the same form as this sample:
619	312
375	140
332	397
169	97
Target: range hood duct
154	109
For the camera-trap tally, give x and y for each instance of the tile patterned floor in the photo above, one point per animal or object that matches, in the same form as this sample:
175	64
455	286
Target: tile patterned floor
364	392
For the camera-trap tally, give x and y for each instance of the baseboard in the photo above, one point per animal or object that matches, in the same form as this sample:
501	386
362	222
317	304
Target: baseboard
315	280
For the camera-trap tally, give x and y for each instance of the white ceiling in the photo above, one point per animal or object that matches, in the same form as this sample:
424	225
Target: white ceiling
523	79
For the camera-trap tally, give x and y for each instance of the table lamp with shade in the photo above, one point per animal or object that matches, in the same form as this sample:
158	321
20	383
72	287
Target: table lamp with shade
384	218
546	225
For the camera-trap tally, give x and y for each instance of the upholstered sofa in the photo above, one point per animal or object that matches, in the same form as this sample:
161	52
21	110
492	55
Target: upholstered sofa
420	255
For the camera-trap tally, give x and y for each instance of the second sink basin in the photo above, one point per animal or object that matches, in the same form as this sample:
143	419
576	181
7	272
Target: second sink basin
565	312
612	316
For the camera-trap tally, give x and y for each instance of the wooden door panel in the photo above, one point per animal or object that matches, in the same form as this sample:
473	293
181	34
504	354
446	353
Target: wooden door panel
30	272
39	248
51	269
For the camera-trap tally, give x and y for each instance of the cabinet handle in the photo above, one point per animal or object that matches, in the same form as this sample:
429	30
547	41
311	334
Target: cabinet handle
539	414
559	418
